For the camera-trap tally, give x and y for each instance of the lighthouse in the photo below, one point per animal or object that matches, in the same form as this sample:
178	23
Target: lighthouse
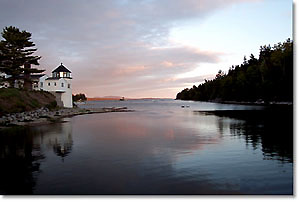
59	84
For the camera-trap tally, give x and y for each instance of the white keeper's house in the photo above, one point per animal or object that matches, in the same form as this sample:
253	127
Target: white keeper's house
58	84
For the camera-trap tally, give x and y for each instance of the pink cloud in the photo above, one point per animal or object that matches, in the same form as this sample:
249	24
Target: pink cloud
109	45
128	70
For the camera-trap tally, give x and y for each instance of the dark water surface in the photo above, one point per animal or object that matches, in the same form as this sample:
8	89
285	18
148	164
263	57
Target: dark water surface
161	148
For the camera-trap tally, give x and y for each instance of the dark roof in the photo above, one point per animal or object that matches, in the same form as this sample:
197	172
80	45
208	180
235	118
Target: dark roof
61	68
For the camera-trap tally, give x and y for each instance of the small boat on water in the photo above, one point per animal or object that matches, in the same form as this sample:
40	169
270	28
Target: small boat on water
122	99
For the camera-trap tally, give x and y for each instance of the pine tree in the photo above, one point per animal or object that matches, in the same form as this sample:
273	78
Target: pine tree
16	51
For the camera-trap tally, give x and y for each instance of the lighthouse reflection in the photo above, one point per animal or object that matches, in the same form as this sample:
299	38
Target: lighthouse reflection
58	138
63	148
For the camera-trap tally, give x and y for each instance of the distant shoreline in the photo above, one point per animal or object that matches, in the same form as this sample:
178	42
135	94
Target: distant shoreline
260	103
118	98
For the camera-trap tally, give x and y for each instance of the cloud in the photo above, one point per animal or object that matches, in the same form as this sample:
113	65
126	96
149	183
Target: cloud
113	47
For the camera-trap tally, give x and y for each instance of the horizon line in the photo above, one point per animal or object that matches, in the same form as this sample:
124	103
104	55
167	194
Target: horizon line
129	98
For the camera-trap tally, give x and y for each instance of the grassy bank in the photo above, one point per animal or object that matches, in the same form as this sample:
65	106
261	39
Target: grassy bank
17	100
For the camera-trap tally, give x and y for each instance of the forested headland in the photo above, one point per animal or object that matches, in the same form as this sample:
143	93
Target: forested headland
268	78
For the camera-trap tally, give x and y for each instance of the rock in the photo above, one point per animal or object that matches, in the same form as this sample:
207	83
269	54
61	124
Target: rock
2	121
27	118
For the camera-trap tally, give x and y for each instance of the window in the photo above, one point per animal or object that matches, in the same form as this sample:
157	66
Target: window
49	84
69	85
41	84
54	83
62	84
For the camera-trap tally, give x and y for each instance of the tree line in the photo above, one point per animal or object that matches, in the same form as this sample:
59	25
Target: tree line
79	97
267	78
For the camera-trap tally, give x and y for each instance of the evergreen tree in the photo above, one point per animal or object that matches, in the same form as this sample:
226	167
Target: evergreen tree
268	78
79	97
16	50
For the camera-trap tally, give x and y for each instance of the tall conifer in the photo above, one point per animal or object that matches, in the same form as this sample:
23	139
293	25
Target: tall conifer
16	50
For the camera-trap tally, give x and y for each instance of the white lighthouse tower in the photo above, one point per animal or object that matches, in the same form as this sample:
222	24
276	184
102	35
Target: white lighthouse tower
60	85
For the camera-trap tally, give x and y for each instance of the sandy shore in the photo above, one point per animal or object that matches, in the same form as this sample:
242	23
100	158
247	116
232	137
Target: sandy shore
45	116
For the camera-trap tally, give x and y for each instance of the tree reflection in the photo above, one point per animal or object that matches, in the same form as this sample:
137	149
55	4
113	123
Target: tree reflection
22	150
271	128
20	161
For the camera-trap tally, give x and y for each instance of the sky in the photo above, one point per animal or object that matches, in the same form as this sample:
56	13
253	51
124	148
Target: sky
147	48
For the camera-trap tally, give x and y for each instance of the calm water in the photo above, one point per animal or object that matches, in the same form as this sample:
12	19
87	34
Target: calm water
161	148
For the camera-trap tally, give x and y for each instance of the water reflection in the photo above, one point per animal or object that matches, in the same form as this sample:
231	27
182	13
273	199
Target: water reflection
20	161
22	151
271	128
59	139
160	152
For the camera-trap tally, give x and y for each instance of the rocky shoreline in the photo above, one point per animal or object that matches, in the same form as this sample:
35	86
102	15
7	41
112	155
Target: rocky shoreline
46	116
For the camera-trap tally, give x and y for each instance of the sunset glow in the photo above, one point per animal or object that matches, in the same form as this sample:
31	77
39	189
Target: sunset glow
147	48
